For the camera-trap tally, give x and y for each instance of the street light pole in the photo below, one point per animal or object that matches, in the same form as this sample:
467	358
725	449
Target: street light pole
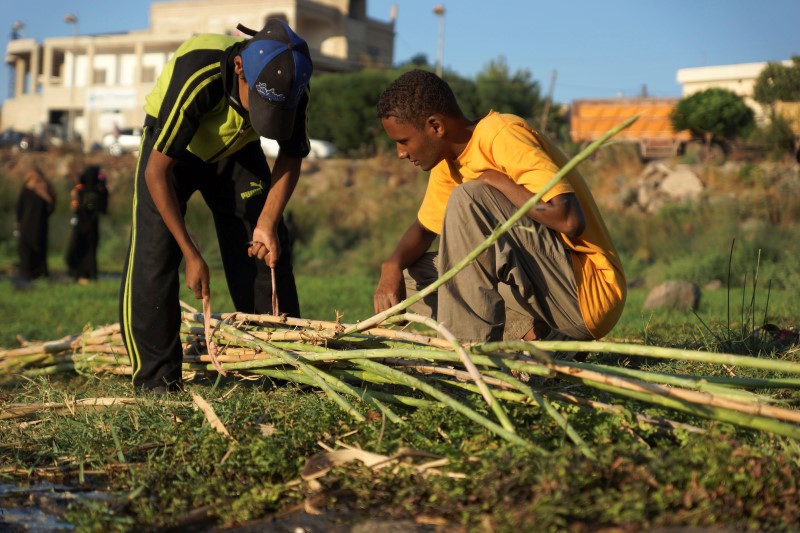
438	10
72	20
16	32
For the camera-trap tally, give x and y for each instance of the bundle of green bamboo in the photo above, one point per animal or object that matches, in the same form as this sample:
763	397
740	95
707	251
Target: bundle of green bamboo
383	366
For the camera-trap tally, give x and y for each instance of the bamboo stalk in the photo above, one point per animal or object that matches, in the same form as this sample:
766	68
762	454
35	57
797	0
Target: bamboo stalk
326	328
468	364
673	380
296	377
548	408
651	420
401	377
589	377
708	411
660	352
315	374
46	347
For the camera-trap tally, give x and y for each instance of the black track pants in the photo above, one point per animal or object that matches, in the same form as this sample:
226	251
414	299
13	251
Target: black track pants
235	190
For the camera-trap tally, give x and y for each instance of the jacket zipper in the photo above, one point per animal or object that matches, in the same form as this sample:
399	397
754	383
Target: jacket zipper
230	143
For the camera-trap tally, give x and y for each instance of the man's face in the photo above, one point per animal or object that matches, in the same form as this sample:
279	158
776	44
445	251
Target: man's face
421	147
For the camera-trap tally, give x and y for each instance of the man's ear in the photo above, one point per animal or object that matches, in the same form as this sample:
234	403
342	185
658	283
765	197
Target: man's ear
237	66
436	124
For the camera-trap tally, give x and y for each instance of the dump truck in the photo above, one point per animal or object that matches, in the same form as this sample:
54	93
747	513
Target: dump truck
652	132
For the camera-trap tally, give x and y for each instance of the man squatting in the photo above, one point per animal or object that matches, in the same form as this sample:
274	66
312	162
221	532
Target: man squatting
556	271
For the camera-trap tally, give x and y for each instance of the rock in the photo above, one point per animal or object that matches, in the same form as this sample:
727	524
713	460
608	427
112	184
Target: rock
682	184
675	295
658	184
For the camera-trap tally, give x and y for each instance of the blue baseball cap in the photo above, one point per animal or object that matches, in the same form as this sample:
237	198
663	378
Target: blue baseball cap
277	66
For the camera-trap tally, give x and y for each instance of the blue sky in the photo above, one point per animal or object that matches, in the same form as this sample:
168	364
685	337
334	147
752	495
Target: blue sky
597	48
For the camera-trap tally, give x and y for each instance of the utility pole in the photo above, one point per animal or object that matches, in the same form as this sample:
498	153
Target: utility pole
72	20
547	102
16	33
438	10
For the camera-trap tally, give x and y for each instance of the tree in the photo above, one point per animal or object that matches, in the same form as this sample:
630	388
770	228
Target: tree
778	82
713	114
466	93
776	85
506	93
342	106
419	60
342	109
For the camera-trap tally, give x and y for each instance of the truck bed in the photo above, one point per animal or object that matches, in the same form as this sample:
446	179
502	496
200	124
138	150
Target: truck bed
653	131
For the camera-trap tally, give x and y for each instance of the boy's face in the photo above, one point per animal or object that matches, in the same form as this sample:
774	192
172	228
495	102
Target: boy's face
244	90
421	147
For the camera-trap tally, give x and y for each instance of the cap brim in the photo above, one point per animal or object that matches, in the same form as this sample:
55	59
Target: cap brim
271	120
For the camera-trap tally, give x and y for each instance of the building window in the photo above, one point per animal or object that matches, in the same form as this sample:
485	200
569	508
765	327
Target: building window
99	77
148	74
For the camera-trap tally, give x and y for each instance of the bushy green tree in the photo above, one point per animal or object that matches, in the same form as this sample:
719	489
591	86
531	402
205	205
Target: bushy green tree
466	93
342	109
776	136
504	92
778	82
713	114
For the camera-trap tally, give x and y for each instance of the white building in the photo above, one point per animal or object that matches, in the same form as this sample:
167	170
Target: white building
90	84
739	79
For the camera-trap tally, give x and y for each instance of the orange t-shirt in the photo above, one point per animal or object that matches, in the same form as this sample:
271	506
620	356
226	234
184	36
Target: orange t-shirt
506	143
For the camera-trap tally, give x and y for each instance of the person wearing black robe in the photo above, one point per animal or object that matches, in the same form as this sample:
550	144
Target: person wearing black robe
35	204
89	199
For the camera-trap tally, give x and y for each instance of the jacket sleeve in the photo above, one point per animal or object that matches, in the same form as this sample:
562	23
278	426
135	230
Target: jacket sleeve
298	145
192	91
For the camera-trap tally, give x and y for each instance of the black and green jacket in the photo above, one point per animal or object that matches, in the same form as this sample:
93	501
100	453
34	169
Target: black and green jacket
195	105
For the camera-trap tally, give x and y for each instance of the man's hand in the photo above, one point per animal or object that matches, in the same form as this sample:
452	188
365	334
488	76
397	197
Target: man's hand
391	289
197	277
265	246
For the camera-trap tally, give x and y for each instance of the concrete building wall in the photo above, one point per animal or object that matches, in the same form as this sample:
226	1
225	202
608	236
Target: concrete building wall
90	84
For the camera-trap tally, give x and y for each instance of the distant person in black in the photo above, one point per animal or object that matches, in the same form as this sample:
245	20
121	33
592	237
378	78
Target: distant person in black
89	199
35	203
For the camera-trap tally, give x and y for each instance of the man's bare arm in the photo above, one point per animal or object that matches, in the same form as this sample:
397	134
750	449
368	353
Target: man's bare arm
391	288
562	213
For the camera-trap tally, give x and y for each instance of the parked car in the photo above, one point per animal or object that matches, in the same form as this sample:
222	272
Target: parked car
125	141
11	138
319	149
22	141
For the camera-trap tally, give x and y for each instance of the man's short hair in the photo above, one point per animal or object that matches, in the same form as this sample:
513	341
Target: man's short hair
416	95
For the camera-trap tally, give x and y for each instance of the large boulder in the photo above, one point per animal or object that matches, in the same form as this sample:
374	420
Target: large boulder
682	184
659	184
674	295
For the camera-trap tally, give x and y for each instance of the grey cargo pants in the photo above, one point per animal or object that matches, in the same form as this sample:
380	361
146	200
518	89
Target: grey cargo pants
527	274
